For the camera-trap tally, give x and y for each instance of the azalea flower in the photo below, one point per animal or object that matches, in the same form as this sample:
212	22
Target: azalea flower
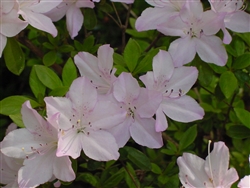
245	182
83	122
98	69
210	173
161	12
196	29
140	105
74	16
33	11
10	24
235	18
173	83
124	1
37	145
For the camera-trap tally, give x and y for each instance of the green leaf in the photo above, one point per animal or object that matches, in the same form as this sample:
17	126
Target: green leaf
48	77
66	48
17	119
146	63
36	85
119	60
188	137
59	92
132	52
69	72
105	8
242	61
156	169
205	74
90	20
243	115
12	105
88	178
115	179
228	84
245	37
138	158
130	177
49	58
239	132
14	56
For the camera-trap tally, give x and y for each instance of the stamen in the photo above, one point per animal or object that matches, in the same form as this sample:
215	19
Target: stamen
209	162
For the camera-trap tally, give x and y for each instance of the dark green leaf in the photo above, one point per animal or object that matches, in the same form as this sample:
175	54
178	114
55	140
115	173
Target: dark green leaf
114	180
69	72
59	92
228	84
66	48
242	61
14	56
239	132
36	85
88	178
156	169
12	105
89	18
188	137
49	58
205	74
132	53
48	77
243	115
138	158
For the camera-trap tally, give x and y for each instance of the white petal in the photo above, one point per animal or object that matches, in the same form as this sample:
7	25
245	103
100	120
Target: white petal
62	169
239	22
161	123
211	50
143	132
3	42
105	58
183	109
100	146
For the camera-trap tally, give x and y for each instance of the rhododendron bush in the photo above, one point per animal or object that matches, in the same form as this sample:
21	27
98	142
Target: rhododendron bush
125	93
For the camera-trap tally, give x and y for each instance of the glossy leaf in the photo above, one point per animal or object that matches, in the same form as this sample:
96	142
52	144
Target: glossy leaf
188	137
228	84
69	72
243	115
131	54
36	85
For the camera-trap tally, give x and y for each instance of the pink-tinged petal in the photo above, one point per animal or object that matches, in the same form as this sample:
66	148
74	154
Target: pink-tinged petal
238	21
105	58
100	146
39	21
192	10
173	27
192	173
11	25
74	20
216	165
44	6
211	50
69	143
227	38
36	171
157	3
7	6
148	80
161	123
3	42
143	132
121	132
87	65
148	102
86	3
182	50
124	1
230	177
152	17
102	118
163	66
62	105
212	22
183	109
32	120
58	12
82	94
181	81
19	143
244	182
10	128
126	88
62	169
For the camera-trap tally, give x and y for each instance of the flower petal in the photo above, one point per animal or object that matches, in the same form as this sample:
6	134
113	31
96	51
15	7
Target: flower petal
105	59
183	109
211	50
3	42
143	132
161	123
62	169
238	21
100	146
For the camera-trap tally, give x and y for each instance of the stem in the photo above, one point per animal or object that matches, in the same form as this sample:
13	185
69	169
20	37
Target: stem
131	176
153	42
124	27
131	11
118	17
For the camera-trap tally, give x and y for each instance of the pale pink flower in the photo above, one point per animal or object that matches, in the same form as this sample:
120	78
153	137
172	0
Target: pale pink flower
244	182
37	145
83	122
98	69
210	173
160	13
236	19
196	29
140	105
33	11
124	1
10	24
173	83
72	10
